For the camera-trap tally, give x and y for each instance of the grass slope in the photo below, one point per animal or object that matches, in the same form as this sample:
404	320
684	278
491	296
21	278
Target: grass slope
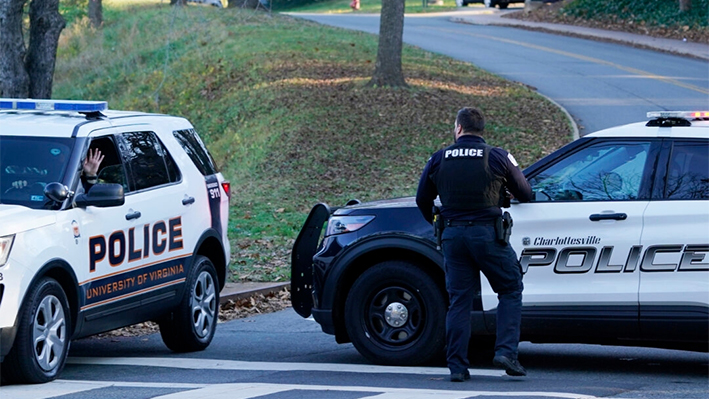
283	107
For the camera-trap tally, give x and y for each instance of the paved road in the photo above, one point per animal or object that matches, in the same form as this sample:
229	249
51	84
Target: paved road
281	355
600	84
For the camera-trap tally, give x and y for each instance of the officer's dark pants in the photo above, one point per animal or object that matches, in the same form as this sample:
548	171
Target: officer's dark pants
467	249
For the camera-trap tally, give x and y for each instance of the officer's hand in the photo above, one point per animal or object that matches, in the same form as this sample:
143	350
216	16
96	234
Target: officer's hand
92	162
19	184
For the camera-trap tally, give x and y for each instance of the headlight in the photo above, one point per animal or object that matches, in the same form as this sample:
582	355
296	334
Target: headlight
346	224
5	247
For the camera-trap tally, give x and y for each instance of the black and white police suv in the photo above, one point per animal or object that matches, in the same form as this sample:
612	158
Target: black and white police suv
146	241
615	250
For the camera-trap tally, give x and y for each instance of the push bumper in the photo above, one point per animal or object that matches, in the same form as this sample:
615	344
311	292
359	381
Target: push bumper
324	318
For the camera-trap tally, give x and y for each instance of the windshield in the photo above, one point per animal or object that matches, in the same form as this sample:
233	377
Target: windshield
27	164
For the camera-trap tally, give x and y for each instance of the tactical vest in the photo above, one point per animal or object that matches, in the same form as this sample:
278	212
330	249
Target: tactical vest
464	180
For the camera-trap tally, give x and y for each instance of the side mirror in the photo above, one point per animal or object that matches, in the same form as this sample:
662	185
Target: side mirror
57	192
102	196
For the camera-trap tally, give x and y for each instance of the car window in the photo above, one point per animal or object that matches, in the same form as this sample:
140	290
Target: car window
602	172
111	169
27	164
195	148
148	162
688	172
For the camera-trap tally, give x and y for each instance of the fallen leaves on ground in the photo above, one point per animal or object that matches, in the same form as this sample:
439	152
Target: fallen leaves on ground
551	12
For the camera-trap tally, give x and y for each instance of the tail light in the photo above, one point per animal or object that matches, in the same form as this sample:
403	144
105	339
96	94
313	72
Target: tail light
227	188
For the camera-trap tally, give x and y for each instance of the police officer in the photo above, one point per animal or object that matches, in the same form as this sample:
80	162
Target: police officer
470	177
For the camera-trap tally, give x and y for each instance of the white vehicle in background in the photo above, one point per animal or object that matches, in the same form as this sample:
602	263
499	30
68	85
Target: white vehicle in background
215	3
147	240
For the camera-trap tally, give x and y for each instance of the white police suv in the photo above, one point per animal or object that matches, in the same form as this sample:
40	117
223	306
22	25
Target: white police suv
145	239
615	250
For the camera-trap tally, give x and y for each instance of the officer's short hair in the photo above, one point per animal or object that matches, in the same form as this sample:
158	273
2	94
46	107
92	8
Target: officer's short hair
471	120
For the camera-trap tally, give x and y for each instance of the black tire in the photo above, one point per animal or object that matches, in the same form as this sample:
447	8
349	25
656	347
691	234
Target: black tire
503	6
407	295
43	336
191	326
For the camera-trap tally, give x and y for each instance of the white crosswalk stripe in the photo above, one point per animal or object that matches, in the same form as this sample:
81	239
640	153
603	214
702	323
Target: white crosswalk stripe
255	390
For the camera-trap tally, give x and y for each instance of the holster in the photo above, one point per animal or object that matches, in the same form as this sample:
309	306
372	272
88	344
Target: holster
503	228
438	226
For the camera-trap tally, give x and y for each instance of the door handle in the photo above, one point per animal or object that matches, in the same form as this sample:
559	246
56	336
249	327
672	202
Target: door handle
608	216
134	215
188	200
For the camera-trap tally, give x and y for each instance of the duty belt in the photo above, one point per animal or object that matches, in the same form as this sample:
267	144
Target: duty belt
456	223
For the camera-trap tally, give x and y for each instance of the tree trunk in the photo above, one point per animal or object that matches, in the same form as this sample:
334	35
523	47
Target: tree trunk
685	5
387	70
46	25
14	80
178	2
95	13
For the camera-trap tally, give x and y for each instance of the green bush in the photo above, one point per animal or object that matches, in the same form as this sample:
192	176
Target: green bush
651	12
73	10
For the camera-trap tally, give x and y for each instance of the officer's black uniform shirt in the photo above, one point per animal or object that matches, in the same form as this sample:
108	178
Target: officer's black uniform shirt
500	164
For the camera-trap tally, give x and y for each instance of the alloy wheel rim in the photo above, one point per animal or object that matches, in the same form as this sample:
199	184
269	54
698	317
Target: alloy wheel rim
49	333
203	304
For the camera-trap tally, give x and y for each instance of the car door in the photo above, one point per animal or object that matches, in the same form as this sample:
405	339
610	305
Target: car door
674	278
137	252
578	241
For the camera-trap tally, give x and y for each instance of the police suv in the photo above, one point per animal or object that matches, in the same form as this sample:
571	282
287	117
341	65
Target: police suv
614	246
146	241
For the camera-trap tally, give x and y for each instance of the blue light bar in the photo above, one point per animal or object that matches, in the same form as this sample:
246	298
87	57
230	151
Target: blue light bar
53	105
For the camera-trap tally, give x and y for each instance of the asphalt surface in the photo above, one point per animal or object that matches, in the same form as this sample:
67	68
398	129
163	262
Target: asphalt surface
282	351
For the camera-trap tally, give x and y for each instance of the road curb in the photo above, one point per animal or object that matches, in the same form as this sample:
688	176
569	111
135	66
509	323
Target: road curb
233	295
574	125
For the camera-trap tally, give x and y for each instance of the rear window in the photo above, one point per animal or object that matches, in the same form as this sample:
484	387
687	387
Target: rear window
197	151
149	163
688	177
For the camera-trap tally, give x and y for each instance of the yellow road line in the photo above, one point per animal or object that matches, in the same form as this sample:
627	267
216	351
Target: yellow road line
589	59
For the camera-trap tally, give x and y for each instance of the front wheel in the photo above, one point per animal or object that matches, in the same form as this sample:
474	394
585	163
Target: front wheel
395	314
42	341
191	326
